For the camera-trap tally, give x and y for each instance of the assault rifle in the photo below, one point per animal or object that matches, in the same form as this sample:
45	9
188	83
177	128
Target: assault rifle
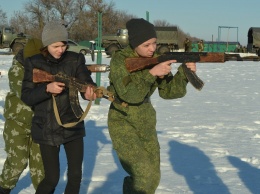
75	85
138	63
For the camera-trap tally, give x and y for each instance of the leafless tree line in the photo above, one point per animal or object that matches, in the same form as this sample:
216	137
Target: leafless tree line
81	16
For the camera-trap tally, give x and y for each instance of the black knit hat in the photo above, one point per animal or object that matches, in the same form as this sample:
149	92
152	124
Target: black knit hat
139	31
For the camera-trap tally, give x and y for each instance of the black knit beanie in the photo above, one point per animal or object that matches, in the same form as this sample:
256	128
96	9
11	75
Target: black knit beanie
139	31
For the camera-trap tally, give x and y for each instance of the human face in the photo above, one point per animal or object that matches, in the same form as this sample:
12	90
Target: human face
147	48
57	49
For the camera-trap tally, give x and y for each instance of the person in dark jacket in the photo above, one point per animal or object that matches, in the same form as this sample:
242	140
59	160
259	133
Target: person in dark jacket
131	117
45	129
19	147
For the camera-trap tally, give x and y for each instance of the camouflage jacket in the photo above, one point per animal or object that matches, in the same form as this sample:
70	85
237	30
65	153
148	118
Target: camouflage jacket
136	86
15	108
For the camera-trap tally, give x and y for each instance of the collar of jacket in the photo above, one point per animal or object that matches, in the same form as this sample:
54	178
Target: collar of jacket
53	60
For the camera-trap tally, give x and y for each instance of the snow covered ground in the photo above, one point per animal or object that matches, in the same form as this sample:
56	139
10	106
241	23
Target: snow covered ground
210	139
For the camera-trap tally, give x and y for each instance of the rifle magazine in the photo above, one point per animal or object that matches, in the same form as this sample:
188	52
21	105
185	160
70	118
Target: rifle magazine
193	78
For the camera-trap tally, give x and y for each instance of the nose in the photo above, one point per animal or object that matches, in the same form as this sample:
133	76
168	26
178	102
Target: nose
152	47
60	49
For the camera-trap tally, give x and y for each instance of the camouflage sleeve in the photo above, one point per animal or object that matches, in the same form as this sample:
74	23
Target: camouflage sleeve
15	75
15	109
132	88
172	87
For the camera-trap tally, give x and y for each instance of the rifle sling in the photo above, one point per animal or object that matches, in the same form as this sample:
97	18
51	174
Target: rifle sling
74	102
68	125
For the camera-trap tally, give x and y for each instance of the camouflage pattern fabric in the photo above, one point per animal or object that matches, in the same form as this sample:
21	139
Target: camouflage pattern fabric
187	45
135	141
19	146
133	128
200	46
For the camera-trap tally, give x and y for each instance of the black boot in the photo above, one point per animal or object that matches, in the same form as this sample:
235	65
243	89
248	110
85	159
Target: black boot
128	185
4	191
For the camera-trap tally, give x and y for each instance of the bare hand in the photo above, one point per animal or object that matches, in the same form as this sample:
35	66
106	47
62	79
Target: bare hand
89	94
55	87
192	66
162	69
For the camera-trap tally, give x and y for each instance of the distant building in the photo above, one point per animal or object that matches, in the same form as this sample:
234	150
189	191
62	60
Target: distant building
219	46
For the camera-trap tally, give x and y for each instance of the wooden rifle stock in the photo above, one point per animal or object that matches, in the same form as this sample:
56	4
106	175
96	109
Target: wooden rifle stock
139	63
98	67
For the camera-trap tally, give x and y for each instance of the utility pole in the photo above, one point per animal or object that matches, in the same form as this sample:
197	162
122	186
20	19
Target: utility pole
99	53
147	16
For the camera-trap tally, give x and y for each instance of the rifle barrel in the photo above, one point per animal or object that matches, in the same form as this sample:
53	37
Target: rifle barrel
185	57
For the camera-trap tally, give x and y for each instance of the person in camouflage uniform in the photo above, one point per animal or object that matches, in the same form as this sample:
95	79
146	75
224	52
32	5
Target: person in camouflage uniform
131	117
187	45
201	46
19	146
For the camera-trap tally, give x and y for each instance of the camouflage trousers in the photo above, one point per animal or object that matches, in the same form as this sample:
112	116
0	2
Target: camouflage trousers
135	141
20	150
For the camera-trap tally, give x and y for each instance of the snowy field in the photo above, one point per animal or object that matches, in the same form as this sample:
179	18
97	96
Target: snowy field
210	139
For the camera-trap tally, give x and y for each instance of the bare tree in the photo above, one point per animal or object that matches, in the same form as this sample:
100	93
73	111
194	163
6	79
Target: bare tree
162	23
86	27
20	22
80	15
3	18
